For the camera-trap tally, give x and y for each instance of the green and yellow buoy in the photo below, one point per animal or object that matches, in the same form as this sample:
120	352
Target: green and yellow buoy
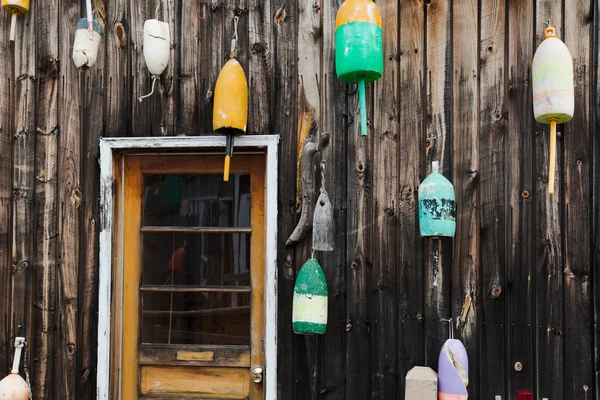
309	311
359	48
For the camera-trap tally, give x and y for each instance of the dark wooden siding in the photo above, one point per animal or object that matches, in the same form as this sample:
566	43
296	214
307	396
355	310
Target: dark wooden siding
518	278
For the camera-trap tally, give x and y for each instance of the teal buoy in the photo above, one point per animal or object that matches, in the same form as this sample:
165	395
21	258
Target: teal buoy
309	312
359	48
437	205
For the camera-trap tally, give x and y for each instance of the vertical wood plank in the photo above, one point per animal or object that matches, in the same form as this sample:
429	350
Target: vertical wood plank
577	142
284	122
23	194
188	106
155	115
212	58
358	246
385	213
595	111
258	243
69	205
117	73
134	187
92	127
6	164
438	147
260	62
410	166
548	257
492	125
46	184
466	299
333	110
309	42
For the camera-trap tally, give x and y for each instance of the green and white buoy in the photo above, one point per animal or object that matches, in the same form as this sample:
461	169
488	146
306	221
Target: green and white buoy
309	312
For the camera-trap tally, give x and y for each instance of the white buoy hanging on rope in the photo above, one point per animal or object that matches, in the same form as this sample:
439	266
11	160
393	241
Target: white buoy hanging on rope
85	48
157	49
14	387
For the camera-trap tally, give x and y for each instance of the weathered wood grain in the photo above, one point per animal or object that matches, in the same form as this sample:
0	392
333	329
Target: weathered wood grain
216	356
493	126
6	164
410	167
188	50
92	128
46	185
117	77
579	377
359	231
333	110
212	58
438	147
548	232
155	115
260	62
466	297
526	307
384	285
284	121
69	206
595	126
23	186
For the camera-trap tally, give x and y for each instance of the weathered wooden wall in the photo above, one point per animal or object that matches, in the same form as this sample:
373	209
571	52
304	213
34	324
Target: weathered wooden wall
517	278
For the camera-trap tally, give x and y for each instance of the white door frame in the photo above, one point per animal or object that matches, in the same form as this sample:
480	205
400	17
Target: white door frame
109	147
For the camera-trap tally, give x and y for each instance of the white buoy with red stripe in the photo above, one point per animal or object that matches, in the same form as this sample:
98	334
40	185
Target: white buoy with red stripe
553	90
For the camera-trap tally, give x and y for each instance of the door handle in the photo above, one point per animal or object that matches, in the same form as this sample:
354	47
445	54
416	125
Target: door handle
257	375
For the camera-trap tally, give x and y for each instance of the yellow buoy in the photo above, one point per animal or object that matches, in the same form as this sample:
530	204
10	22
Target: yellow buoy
231	98
15	7
230	113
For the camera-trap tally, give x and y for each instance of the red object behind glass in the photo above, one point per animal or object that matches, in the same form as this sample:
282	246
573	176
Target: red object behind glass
524	395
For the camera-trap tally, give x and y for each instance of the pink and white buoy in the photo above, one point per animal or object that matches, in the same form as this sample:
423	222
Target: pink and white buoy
14	387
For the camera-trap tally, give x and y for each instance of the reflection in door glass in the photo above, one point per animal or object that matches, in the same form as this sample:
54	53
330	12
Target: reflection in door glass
196	259
196	200
195	286
196	318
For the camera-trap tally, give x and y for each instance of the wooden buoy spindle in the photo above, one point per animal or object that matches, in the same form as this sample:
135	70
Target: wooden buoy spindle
16	8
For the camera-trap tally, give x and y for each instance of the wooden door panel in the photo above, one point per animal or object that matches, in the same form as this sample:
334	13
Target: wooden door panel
195	382
202	368
195	355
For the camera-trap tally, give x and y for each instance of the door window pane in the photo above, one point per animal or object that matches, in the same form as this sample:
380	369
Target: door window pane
196	259
196	200
196	318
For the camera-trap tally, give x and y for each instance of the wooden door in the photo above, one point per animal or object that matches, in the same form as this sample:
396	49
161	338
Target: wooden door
193	291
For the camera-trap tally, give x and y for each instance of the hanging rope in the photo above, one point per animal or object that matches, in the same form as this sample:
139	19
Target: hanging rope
154	79
233	54
323	176
88	6
450	327
157	9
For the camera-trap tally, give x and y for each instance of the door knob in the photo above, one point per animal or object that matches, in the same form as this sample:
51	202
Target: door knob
257	375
